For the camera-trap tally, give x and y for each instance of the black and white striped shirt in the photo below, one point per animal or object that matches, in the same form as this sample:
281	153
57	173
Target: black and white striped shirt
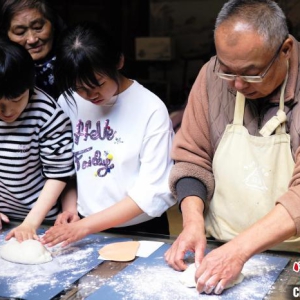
37	146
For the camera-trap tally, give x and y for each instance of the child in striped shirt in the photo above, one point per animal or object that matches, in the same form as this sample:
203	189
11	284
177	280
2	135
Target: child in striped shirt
35	146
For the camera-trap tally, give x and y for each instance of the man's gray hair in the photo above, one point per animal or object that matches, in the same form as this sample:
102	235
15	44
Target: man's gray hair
264	15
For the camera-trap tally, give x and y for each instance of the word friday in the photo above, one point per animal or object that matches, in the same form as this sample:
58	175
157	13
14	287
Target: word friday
96	160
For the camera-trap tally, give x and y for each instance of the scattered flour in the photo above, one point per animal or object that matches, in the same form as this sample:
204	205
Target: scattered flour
88	285
139	281
23	278
145	282
68	265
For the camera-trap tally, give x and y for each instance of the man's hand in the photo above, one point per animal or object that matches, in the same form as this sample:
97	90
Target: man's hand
66	217
65	233
22	232
192	238
219	268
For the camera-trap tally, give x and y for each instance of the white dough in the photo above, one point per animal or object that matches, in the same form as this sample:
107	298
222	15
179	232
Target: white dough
30	252
187	277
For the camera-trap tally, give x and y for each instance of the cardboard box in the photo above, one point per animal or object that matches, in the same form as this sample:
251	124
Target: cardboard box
154	48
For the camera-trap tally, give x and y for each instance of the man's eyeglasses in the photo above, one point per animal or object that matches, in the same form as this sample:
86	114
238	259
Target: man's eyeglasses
251	79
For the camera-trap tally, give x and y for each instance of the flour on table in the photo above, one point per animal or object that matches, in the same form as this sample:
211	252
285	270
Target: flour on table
187	277
30	252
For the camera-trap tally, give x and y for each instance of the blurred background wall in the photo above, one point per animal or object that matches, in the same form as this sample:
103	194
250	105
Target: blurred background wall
188	24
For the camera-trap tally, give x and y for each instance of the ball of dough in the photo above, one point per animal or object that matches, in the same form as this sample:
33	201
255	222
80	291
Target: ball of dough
187	277
30	252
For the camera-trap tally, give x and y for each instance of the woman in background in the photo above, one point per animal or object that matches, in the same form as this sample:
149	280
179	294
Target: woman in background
122	140
34	25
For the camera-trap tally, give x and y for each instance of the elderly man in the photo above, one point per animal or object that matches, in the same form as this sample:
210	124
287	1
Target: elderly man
236	175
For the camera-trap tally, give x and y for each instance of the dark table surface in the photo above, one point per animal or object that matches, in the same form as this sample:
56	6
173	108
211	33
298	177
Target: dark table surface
281	290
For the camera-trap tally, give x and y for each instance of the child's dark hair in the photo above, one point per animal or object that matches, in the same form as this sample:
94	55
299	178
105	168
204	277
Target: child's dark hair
83	50
16	69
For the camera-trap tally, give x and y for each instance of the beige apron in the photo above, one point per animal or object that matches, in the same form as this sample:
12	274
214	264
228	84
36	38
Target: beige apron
250	173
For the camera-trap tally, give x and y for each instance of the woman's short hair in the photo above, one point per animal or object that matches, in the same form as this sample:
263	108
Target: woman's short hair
16	69
10	7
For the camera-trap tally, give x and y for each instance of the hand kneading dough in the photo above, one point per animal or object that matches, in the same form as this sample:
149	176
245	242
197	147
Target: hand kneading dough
187	278
29	252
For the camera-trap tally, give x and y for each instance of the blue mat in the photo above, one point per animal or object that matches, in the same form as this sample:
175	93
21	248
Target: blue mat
151	278
44	281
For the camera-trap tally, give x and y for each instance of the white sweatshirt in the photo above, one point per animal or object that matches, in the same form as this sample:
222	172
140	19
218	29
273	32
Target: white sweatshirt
122	149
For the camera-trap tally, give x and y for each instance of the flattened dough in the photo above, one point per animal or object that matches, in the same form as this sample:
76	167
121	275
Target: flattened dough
123	251
187	277
29	252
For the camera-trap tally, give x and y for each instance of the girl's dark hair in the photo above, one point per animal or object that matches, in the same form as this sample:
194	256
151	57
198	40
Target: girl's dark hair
16	69
83	50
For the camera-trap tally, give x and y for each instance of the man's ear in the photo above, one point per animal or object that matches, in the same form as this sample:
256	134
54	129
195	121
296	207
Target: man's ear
120	64
287	47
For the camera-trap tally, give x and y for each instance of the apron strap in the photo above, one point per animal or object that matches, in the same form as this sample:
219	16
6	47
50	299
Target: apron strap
274	123
239	109
277	122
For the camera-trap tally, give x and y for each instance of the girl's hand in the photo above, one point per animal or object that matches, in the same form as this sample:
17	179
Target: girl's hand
66	217
22	232
65	233
3	218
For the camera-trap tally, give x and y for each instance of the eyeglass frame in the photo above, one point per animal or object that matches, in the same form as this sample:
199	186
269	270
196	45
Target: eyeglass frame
250	79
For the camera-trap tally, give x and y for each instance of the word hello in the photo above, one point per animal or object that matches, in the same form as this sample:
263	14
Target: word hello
85	130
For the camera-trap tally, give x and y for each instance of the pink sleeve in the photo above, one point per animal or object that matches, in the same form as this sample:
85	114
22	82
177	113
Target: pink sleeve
192	149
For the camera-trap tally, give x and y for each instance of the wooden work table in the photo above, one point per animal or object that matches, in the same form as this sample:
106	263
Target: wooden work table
281	290
106	270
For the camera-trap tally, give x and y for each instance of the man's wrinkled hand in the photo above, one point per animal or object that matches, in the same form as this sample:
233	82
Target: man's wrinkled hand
190	239
219	268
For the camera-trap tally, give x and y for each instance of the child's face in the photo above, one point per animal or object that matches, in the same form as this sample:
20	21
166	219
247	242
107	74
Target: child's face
98	95
11	109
